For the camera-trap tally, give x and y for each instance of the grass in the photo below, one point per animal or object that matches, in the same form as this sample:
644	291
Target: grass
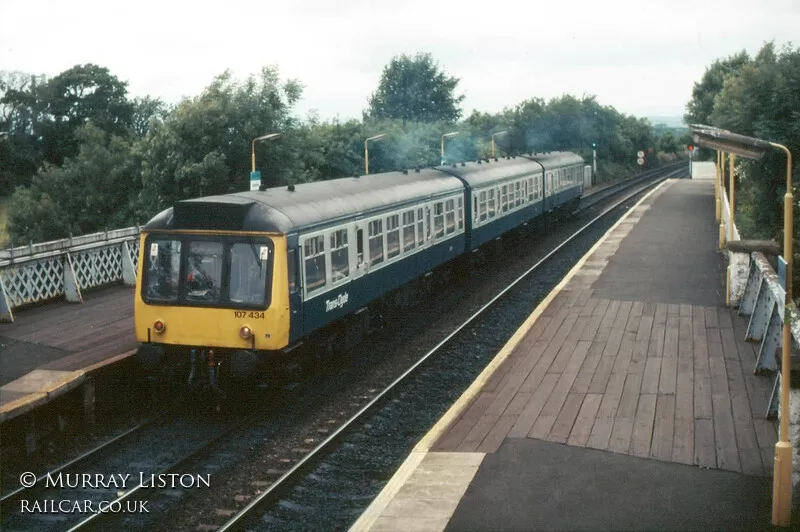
4	203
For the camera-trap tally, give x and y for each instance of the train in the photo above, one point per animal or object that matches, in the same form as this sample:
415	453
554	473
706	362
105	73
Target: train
228	282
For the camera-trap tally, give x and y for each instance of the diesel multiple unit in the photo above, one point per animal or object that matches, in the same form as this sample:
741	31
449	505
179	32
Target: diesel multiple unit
228	280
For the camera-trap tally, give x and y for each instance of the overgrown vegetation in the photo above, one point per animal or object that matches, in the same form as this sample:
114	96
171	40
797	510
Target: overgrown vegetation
81	156
758	97
4	222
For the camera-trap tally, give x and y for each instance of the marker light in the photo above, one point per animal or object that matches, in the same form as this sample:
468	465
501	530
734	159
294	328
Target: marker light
159	326
245	332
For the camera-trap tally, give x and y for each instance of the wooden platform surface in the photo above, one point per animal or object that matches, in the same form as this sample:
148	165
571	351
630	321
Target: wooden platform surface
68	336
671	382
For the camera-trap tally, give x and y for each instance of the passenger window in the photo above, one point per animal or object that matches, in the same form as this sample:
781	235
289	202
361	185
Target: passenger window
314	251
392	236
491	204
460	212
420	227
408	231
376	242
438	220
450	216
340	256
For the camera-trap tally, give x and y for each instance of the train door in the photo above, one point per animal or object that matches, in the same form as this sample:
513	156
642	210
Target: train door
295	289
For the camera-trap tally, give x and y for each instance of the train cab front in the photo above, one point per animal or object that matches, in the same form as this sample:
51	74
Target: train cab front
212	300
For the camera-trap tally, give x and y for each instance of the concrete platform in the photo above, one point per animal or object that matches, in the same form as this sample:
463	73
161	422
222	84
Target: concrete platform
50	350
624	402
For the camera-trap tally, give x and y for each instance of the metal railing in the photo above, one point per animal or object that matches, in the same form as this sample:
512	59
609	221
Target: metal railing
763	301
63	268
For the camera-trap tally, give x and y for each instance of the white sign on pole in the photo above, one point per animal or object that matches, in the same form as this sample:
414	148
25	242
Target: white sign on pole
640	161
640	154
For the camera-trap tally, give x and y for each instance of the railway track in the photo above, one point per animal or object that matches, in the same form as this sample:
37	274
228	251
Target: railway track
196	455
255	511
110	476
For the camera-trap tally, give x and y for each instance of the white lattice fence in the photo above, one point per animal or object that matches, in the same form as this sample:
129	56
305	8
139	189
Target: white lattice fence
64	267
33	281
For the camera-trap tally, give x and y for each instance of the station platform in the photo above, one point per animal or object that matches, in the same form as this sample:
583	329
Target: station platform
626	401
51	349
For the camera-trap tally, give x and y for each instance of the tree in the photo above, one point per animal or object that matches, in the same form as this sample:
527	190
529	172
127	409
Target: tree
21	114
144	109
76	96
90	192
203	147
761	100
415	89
668	143
700	107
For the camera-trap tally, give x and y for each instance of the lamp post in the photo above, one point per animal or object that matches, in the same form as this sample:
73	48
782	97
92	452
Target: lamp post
452	134
716	187
496	135
366	152
754	148
271	136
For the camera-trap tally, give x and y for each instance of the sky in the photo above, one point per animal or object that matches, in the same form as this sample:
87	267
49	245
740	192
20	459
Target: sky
640	57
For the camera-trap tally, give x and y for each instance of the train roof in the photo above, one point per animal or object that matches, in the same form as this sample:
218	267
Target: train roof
555	159
492	171
315	204
281	210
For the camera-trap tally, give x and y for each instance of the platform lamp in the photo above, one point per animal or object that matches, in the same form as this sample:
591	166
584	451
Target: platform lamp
496	135
271	136
753	148
366	151
452	134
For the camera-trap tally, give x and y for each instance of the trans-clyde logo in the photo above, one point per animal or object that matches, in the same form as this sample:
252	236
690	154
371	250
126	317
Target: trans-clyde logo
338	302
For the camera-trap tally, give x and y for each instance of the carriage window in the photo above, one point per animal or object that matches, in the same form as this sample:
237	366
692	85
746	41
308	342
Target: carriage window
420	227
340	256
504	198
292	267
438	219
491	203
163	269
450	215
518	193
475	208
376	241
408	231
530	189
392	236
460	212
314	257
482	212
